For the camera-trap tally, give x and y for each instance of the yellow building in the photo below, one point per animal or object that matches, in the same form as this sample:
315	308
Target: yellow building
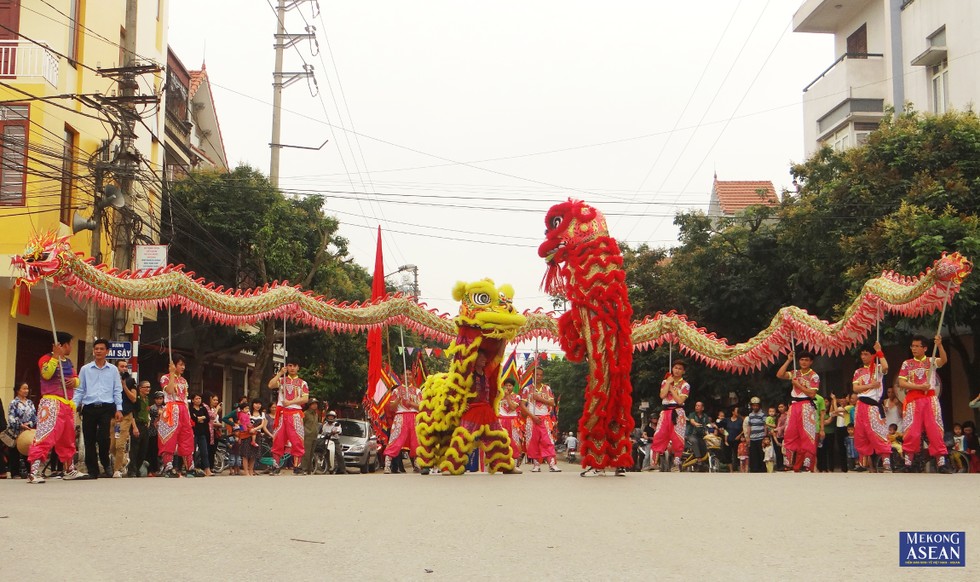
54	148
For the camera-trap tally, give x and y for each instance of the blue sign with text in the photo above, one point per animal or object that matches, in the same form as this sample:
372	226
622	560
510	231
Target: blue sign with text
120	350
932	549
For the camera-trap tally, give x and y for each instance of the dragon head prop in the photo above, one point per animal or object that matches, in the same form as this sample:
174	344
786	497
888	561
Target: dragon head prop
487	309
952	268
43	258
567	225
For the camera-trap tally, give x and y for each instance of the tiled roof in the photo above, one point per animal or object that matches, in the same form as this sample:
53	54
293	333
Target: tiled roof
197	77
736	195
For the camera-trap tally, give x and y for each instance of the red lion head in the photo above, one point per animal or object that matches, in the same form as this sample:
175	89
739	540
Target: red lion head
567	225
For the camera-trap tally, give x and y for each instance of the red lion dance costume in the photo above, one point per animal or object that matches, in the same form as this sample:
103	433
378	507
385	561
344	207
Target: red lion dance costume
586	267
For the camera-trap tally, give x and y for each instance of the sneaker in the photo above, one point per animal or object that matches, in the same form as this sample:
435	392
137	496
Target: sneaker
35	479
190	474
73	475
514	471
944	469
620	472
117	475
536	469
590	472
860	469
387	471
554	469
297	471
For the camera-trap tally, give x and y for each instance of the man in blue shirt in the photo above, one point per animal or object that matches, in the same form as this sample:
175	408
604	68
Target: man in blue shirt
99	399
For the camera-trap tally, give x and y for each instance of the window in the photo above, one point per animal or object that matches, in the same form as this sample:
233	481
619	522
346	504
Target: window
857	43
74	32
939	78
13	154
10	21
839	140
68	174
861	132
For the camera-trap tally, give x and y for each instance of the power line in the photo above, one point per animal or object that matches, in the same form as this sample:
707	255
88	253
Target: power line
687	103
710	103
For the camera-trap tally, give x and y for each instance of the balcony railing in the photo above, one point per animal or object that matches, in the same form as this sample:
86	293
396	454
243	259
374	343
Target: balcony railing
842	58
21	59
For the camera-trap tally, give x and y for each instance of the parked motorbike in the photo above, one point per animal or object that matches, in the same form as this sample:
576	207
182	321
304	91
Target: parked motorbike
328	456
224	444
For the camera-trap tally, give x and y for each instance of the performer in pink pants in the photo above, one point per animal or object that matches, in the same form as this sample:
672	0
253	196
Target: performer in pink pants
803	426
56	412
919	380
539	400
403	426
508	412
672	425
870	428
293	394
175	432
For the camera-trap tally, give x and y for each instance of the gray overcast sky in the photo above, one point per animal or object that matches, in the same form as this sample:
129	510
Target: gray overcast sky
460	123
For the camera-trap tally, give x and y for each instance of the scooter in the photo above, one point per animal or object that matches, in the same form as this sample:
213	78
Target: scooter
325	450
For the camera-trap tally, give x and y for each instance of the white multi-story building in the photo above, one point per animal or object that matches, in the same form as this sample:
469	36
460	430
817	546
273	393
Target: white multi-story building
888	53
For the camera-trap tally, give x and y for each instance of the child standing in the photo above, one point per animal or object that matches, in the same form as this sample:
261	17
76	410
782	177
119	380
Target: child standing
743	456
768	454
852	454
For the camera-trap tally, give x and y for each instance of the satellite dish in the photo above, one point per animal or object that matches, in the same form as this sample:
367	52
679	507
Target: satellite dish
79	222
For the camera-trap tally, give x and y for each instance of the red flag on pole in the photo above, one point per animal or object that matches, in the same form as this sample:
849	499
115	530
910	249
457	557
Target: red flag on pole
374	335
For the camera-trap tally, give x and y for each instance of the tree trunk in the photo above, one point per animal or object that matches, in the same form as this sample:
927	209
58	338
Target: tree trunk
969	357
258	380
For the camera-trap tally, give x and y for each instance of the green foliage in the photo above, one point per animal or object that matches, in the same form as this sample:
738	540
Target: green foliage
237	230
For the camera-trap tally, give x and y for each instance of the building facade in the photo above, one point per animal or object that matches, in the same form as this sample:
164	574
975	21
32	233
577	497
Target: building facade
59	153
887	53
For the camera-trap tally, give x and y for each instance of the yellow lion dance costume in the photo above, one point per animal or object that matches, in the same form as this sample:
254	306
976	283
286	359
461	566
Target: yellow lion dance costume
458	411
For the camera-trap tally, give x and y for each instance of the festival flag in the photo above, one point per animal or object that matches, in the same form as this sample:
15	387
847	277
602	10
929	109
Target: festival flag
376	395
419	372
509	370
527	377
376	403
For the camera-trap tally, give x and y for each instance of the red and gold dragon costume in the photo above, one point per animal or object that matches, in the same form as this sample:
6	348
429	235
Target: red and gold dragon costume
586	267
458	411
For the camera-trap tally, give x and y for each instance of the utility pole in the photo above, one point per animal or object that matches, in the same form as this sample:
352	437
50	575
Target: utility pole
122	113
128	157
282	79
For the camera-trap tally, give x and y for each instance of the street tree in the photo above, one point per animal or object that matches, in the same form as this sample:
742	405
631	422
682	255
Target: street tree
236	229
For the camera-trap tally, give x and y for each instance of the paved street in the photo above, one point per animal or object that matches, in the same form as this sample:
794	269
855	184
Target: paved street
647	526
